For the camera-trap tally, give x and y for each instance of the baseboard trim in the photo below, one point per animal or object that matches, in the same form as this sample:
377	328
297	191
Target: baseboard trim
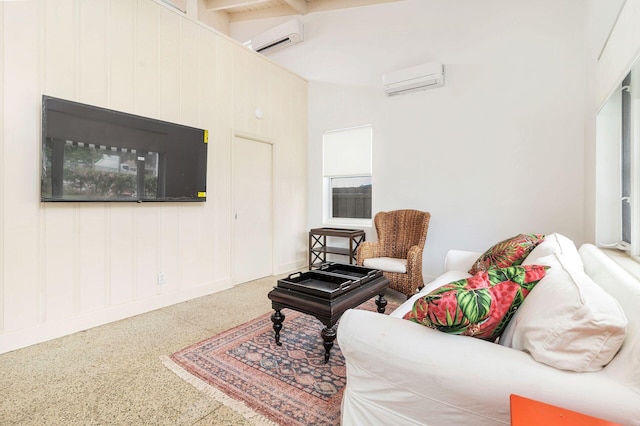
22	338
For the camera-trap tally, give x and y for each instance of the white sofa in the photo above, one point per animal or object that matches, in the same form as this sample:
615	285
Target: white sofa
403	373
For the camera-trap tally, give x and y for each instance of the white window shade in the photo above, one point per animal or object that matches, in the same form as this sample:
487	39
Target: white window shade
347	152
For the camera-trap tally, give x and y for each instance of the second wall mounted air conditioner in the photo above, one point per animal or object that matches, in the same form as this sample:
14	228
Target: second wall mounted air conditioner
284	35
420	77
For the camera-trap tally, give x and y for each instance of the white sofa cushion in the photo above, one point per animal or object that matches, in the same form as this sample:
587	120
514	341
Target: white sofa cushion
387	264
460	260
401	373
567	321
625	287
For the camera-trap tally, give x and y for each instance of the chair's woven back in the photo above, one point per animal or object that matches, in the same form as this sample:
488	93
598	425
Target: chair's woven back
398	230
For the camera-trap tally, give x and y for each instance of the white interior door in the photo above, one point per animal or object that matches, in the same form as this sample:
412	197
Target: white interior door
253	209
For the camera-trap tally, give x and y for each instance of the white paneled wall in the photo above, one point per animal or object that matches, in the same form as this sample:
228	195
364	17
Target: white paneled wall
65	267
3	175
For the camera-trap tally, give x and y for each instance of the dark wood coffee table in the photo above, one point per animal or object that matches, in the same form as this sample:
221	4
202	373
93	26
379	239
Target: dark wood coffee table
327	301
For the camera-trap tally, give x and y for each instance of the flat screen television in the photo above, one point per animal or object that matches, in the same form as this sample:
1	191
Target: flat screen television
96	154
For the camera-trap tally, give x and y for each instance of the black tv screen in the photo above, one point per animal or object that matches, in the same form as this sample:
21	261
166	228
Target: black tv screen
96	154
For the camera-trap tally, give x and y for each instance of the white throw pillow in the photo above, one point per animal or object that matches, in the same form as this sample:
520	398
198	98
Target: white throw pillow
387	264
544	254
567	321
554	243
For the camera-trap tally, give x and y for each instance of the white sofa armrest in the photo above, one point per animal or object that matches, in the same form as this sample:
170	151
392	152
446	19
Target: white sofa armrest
400	372
460	260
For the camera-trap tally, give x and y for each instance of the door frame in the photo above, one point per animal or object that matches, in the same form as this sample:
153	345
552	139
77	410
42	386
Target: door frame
259	139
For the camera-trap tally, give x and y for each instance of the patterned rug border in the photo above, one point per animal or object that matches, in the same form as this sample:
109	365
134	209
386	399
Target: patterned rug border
216	394
245	408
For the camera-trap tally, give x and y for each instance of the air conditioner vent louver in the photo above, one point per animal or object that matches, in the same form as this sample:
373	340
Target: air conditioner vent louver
421	77
284	35
273	45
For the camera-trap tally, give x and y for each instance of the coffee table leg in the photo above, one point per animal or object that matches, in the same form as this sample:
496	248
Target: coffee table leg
277	318
381	303
328	336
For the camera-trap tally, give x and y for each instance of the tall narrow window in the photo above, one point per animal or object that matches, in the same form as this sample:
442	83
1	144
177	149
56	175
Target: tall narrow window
617	188
347	170
625	163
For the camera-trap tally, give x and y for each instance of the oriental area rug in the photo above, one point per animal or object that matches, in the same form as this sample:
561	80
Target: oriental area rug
266	383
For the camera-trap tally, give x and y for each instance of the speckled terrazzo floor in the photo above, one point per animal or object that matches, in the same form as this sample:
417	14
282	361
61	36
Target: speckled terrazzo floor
113	375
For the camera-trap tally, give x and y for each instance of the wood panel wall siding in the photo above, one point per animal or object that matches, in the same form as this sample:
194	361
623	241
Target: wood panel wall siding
65	267
3	175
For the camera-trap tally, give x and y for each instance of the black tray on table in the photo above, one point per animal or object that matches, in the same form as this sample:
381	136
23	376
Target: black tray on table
330	280
319	283
355	272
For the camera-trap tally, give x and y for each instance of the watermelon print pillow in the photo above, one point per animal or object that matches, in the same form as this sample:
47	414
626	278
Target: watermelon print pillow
509	252
480	306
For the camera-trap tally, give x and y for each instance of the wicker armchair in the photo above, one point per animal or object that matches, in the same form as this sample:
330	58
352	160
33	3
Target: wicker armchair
398	251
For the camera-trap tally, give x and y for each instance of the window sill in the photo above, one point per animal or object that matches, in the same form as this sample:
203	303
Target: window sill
629	263
347	223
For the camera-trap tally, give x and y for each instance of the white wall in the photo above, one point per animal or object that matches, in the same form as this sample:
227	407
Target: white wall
498	151
65	267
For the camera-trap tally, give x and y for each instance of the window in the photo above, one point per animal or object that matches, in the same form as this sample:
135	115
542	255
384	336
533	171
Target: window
347	155
625	160
351	197
617	169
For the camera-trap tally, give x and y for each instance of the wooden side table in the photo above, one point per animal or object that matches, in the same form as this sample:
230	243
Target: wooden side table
318	248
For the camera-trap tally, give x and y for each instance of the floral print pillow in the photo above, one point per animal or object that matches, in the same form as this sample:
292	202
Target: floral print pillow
509	252
480	306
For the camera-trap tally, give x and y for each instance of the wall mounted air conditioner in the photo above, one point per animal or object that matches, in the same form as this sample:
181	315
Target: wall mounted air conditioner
420	77
284	35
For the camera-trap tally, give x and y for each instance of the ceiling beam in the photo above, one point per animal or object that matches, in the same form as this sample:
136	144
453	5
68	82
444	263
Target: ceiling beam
293	7
299	6
319	6
213	5
270	12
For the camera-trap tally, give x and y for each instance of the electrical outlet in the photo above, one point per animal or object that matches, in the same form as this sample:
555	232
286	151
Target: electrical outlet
161	278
